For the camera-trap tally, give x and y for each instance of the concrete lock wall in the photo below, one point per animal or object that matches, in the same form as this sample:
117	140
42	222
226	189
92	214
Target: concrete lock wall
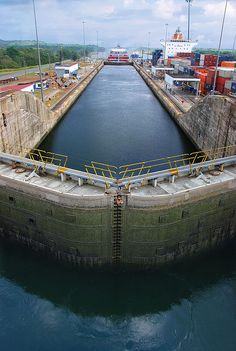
209	124
25	121
85	230
164	233
146	230
67	228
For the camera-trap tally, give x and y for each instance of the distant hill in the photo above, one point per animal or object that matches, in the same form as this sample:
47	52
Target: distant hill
33	44
18	43
23	53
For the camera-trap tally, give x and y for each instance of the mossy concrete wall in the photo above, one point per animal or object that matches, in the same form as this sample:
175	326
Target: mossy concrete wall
67	228
209	124
25	121
83	229
161	234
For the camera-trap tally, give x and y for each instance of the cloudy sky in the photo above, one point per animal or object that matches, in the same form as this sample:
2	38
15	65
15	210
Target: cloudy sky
126	22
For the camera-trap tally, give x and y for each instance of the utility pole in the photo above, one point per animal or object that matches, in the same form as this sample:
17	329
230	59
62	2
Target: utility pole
84	38
189	6
165	42
38	50
219	48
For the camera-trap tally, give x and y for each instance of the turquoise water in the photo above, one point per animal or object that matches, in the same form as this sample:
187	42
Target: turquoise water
43	306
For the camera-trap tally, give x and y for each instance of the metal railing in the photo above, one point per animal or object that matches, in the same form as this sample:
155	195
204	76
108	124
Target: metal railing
106	175
46	157
101	169
173	163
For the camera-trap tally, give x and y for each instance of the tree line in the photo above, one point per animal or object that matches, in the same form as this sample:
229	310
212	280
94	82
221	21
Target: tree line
13	57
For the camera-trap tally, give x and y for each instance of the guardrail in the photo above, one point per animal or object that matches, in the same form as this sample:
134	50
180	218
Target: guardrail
125	176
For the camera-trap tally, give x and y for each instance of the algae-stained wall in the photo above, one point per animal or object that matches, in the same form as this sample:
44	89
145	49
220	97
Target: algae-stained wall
77	233
24	121
84	230
159	234
211	123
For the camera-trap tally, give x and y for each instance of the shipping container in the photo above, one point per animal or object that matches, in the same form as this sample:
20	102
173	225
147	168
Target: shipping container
222	79
220	88
231	64
233	87
186	54
226	58
225	72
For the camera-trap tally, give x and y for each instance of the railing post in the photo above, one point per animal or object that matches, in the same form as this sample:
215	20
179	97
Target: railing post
80	181
63	177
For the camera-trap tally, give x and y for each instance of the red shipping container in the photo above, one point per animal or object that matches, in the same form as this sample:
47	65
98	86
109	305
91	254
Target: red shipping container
222	80
186	54
209	80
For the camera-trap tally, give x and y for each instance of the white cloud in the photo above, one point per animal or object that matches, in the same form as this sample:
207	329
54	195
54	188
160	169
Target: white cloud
166	9
136	4
213	10
124	21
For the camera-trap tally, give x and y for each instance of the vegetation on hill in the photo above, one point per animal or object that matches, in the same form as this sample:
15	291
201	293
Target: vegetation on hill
17	54
214	52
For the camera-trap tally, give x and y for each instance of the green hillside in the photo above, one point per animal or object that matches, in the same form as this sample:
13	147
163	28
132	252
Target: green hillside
20	53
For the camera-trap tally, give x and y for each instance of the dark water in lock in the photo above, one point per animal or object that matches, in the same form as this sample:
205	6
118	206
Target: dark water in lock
117	120
188	307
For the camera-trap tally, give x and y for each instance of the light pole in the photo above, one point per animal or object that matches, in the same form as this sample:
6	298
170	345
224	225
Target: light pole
49	63
219	48
39	57
149	33
234	44
24	64
84	38
189	5
97	44
165	42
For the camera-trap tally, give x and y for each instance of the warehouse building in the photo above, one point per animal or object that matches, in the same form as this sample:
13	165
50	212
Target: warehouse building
67	70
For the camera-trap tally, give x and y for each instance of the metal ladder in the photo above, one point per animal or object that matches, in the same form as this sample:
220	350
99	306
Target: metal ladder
117	226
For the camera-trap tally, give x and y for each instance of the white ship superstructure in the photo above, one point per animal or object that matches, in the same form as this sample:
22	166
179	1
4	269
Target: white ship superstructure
118	55
177	44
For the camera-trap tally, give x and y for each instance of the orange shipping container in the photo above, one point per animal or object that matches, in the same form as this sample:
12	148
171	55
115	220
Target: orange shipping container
200	69
231	64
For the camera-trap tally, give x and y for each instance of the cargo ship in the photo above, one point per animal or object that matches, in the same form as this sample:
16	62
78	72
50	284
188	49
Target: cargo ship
118	55
177	44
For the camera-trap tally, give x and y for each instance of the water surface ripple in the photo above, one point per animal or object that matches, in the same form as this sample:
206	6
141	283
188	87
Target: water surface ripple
189	306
